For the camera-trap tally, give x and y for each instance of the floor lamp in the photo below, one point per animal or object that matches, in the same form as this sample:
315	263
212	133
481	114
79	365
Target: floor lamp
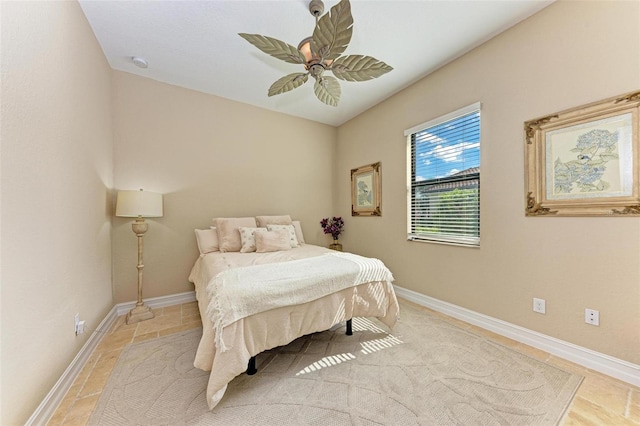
139	204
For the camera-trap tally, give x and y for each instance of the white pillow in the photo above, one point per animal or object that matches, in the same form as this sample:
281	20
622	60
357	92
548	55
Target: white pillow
207	240
290	230
268	241
247	238
263	221
298	228
228	233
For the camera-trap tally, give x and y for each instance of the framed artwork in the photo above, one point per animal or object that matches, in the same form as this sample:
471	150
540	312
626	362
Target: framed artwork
366	190
584	161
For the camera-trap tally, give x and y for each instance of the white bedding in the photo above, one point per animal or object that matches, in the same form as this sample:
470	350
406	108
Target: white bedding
250	335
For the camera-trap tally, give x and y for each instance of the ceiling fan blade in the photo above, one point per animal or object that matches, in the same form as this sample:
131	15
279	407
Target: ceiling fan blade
333	32
276	48
358	68
327	89
288	82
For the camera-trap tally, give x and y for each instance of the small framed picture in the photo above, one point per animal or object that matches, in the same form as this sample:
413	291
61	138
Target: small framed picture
584	161
366	191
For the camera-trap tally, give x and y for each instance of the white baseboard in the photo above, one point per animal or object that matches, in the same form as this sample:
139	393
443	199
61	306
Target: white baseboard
614	367
159	302
48	406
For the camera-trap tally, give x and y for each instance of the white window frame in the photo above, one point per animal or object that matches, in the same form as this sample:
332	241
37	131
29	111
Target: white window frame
440	239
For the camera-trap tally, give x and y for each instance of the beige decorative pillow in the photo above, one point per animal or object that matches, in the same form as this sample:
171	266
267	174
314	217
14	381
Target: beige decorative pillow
263	221
207	240
229	234
290	230
298	228
277	240
247	239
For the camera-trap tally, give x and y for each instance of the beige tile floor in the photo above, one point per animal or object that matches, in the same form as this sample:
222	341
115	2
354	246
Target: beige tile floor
600	400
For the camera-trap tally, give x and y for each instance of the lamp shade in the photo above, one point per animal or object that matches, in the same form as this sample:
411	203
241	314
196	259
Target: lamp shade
138	203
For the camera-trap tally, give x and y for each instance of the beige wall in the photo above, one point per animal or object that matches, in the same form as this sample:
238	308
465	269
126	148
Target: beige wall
56	172
569	54
211	157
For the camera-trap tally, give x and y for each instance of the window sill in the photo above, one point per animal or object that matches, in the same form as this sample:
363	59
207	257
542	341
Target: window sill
441	242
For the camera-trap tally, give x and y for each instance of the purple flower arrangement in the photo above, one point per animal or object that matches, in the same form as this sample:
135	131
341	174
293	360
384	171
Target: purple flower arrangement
332	226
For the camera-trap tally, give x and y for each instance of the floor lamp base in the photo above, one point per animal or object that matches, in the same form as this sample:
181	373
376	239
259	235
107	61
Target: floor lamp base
139	313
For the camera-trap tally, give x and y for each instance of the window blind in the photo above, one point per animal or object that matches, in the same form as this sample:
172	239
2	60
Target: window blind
444	187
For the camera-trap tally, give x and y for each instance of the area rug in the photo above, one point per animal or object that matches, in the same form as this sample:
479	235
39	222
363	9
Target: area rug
426	371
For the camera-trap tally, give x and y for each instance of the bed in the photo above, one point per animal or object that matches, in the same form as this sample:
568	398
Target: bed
234	332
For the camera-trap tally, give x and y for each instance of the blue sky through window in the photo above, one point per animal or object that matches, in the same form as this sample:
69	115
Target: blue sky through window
448	148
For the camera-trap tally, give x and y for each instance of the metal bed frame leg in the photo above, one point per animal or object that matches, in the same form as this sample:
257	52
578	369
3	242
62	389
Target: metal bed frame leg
251	367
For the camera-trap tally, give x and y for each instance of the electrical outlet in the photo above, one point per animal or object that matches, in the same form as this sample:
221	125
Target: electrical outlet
591	316
539	305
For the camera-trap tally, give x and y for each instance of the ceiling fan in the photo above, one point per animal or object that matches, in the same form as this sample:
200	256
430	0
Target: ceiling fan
320	53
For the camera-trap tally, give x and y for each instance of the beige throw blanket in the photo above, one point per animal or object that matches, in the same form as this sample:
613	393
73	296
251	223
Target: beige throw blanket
238	293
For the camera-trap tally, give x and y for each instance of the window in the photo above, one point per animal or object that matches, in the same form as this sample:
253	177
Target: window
444	180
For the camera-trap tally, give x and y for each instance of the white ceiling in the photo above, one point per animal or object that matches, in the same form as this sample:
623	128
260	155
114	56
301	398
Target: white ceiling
195	44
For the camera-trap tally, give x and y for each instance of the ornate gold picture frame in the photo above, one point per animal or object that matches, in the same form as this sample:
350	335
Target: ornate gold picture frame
584	161
366	192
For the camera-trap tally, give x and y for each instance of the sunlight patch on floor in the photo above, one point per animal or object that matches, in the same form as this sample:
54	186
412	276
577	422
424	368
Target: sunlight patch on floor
367	347
325	362
376	345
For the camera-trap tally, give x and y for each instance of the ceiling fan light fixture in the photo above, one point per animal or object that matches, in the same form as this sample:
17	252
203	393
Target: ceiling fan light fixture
305	48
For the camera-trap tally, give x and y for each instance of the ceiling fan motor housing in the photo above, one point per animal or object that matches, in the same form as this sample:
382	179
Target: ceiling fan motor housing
317	69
